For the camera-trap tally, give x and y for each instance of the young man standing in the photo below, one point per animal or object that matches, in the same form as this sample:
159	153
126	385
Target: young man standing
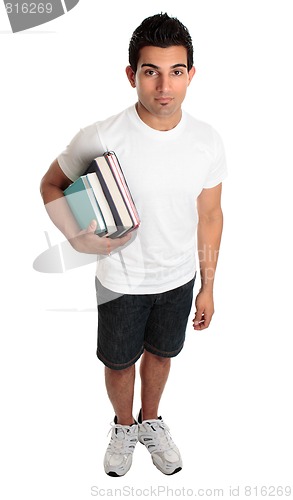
174	166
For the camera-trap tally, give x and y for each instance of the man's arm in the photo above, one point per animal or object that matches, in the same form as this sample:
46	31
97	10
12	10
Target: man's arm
52	186
210	226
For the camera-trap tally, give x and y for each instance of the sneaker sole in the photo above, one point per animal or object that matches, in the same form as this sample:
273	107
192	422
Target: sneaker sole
176	470
166	473
114	474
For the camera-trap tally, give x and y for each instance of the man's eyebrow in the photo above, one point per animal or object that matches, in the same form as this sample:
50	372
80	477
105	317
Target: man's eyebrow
150	65
179	65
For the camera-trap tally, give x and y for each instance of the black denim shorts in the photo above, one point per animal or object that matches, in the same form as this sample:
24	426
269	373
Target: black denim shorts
128	324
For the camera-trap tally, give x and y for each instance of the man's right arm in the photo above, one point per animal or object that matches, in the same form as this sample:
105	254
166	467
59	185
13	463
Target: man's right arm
52	186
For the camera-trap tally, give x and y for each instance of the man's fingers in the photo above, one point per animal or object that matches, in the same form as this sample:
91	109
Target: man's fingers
204	310
199	316
90	229
118	242
201	320
92	226
113	244
100	245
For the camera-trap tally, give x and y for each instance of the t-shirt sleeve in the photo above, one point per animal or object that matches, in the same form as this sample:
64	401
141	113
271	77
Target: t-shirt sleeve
83	148
218	170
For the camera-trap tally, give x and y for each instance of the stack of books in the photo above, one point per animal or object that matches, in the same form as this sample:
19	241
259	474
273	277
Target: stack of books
102	193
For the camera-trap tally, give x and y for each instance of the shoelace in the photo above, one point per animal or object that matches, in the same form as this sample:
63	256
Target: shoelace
163	438
122	441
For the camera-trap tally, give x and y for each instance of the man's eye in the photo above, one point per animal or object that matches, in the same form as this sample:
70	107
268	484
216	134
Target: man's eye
178	72
150	72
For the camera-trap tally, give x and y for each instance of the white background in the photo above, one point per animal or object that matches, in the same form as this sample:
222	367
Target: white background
228	399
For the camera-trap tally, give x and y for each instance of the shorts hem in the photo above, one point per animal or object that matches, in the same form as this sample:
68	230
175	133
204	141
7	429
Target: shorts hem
162	354
119	366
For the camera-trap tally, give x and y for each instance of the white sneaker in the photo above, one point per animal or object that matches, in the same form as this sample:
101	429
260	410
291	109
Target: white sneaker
155	435
118	457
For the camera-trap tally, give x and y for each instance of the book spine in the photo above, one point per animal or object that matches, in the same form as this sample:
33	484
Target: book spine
102	202
115	213
117	172
101	224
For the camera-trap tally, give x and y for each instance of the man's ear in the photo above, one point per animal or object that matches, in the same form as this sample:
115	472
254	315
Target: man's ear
191	74
131	76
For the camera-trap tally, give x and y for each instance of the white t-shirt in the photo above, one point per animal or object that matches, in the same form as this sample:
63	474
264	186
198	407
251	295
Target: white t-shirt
165	172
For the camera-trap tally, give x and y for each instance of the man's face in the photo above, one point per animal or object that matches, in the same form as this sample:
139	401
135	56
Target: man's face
161	81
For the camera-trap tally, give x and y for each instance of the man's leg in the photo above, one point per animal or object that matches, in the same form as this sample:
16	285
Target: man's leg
120	389
154	371
152	431
164	334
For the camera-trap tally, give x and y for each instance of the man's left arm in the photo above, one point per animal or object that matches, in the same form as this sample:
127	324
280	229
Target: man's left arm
209	232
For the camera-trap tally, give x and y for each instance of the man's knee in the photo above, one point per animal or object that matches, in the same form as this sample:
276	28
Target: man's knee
121	372
163	360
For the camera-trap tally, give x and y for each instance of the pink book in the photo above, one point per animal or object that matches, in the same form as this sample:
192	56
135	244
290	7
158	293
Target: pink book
113	163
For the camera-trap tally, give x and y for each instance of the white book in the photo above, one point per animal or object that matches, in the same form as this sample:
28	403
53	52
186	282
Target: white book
102	202
115	192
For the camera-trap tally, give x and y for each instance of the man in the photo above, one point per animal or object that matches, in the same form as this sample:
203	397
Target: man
174	166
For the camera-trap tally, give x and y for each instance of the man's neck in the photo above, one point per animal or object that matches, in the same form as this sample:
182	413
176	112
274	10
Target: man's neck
162	123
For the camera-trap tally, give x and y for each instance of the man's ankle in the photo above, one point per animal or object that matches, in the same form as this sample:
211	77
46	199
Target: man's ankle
147	415
125	421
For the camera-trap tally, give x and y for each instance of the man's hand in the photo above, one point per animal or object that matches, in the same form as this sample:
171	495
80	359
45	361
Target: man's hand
204	310
87	241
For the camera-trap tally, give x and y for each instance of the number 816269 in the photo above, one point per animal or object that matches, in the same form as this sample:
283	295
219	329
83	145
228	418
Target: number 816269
29	8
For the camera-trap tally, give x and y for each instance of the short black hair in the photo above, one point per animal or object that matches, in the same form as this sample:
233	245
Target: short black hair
163	31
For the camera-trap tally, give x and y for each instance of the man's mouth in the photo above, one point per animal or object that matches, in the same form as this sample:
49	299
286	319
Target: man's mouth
163	100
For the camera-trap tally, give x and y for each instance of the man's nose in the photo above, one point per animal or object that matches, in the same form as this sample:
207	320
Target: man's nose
163	84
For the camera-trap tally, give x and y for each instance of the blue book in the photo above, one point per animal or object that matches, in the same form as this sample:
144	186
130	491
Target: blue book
84	205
